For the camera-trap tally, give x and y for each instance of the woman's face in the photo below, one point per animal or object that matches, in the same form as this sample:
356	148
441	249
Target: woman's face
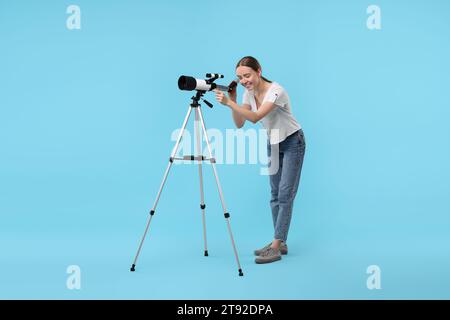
248	77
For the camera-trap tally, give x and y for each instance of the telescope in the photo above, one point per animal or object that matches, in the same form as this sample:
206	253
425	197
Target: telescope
190	83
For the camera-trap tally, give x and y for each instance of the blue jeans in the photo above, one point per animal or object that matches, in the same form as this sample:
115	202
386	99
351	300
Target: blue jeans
284	183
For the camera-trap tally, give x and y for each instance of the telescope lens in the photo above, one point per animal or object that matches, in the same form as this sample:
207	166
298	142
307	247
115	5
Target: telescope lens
187	83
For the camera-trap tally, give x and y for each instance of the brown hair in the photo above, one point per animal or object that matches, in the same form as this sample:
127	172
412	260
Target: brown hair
251	63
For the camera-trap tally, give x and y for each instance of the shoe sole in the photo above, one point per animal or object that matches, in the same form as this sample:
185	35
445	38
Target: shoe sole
282	252
267	261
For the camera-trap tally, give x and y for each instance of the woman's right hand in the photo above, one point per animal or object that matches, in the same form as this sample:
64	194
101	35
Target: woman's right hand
233	93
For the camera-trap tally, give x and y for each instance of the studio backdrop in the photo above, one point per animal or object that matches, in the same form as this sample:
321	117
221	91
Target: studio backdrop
90	110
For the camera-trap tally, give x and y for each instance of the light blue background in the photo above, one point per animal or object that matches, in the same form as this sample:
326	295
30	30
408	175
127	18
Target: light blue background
85	123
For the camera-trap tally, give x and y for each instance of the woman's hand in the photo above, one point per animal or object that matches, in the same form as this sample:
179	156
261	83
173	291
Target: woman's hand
221	97
233	93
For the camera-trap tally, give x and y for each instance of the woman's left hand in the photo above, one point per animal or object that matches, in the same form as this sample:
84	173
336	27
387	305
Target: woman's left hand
221	97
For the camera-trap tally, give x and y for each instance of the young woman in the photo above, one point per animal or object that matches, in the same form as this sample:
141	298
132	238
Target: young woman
269	103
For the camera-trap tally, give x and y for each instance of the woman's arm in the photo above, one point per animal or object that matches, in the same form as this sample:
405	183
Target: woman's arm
245	113
239	120
254	117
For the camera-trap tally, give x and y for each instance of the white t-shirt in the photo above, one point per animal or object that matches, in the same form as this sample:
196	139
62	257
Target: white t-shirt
279	123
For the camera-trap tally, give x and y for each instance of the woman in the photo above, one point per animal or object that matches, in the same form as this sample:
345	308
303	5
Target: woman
268	102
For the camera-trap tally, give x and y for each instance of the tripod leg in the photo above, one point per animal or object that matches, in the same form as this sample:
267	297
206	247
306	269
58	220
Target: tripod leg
226	214
152	211
200	173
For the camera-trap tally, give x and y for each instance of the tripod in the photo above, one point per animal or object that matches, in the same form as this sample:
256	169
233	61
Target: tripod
195	105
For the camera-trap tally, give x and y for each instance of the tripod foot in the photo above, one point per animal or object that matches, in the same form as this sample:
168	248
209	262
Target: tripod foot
241	274
132	267
206	253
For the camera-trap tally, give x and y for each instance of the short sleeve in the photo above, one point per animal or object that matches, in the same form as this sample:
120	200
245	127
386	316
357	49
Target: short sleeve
277	96
274	94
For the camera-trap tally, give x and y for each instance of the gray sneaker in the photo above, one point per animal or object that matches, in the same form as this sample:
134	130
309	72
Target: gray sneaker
270	255
283	249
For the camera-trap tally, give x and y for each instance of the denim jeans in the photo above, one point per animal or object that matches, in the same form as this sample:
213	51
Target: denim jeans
284	183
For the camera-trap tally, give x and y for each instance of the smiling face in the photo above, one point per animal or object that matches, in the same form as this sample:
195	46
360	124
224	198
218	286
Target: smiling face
248	77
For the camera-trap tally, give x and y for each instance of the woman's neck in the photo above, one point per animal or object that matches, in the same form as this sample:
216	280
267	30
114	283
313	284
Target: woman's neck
262	87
